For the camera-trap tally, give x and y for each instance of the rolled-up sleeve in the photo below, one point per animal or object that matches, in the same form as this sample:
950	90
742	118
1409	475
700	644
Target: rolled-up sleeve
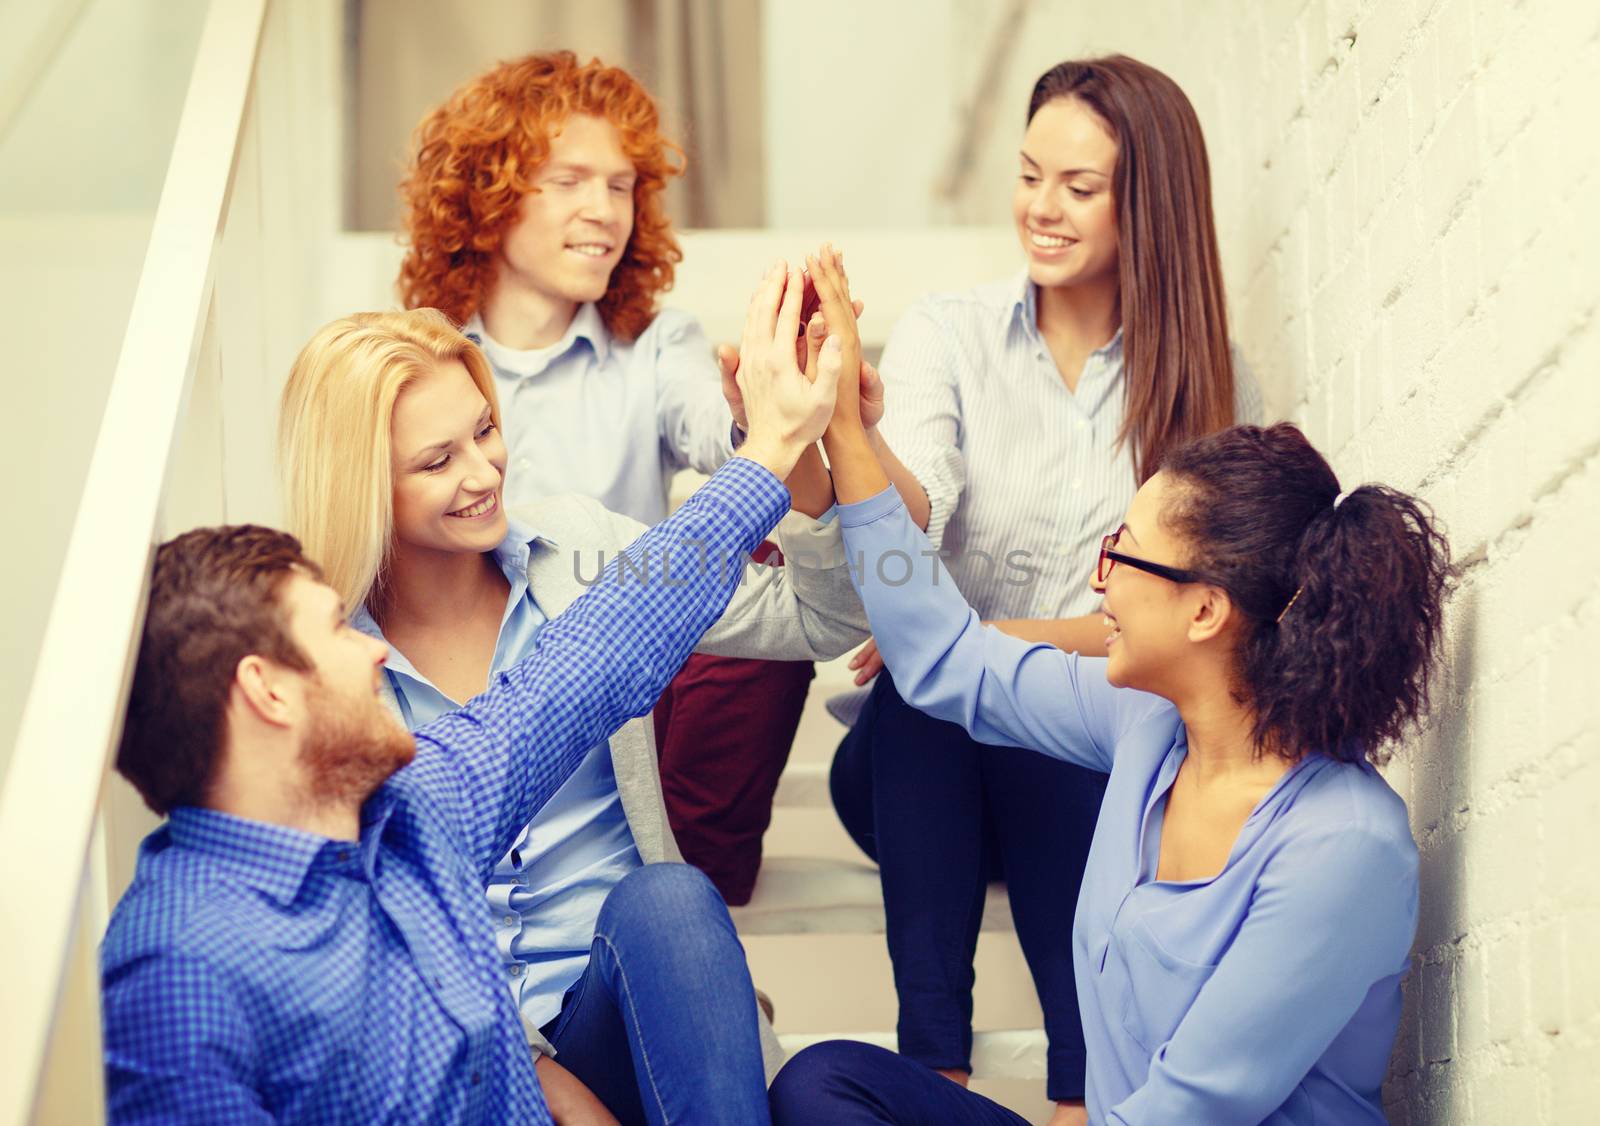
922	422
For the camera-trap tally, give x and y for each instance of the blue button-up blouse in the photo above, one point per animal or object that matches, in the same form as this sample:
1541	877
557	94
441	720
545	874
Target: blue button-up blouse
1269	992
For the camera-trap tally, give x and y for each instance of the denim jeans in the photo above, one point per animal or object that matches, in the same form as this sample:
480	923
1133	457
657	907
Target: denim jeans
662	1025
846	1083
942	815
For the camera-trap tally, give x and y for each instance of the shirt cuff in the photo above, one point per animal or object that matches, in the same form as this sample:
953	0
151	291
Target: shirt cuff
864	512
810	542
756	485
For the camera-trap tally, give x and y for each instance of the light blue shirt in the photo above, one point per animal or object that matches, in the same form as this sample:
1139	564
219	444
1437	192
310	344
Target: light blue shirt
1269	992
606	418
1023	476
547	890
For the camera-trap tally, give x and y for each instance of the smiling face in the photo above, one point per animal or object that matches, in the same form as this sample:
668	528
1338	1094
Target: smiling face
1157	627
572	229
448	462
1063	207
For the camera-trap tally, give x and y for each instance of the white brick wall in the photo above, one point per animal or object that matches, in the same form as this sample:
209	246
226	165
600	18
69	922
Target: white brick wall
1407	198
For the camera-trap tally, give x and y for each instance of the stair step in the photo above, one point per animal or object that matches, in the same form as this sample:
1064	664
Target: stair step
807	895
803	785
1012	1053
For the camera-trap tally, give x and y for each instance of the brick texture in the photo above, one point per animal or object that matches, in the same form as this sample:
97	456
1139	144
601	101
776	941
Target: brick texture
1406	197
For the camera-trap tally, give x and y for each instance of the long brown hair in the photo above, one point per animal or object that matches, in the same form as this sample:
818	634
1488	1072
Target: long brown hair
1178	369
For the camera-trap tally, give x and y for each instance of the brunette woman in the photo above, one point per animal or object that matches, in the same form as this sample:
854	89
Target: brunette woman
1027	413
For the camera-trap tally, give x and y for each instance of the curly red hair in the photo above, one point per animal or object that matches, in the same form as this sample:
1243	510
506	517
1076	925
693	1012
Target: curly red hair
474	160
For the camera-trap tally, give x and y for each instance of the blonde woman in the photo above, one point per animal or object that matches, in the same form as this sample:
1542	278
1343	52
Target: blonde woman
394	465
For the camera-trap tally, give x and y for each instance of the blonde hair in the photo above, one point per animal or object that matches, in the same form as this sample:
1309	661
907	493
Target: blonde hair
334	435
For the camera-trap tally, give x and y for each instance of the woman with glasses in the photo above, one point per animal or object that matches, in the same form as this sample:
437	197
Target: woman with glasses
1027	412
1250	897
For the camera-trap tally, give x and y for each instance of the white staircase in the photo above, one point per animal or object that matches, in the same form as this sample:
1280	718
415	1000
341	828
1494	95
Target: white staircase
814	933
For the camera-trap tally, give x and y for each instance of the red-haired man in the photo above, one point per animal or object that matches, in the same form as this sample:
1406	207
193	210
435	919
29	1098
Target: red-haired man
534	216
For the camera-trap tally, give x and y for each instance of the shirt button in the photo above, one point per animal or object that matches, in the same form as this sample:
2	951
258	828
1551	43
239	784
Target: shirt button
511	920
343	856
517	968
522	463
476	1078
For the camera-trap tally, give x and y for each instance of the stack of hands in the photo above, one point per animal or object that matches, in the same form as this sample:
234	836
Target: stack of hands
798	376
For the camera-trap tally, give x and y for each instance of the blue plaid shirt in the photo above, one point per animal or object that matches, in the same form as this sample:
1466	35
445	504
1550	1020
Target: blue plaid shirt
256	973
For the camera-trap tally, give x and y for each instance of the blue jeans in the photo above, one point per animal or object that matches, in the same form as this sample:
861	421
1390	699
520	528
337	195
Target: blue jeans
847	1083
662	1025
942	815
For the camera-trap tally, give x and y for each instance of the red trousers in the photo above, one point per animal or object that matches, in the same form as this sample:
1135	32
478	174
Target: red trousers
724	727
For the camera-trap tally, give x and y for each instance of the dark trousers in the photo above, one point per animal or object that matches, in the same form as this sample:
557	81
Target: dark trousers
942	815
847	1083
724	728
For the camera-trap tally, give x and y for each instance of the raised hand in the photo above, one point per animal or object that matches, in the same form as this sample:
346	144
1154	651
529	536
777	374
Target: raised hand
786	412
814	333
833	287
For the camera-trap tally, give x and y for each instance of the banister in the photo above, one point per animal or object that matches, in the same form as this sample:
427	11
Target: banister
74	709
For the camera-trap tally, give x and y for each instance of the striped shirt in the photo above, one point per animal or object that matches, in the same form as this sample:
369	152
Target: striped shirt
1023	476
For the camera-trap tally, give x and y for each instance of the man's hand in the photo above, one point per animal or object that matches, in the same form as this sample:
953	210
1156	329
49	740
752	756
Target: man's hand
570	1102
785	411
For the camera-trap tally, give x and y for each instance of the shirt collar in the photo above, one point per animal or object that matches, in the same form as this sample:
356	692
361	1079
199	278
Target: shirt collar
271	858
514	550
1025	305
511	556
587	324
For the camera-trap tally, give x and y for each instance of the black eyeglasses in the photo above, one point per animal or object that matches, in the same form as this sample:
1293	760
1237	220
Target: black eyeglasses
1110	557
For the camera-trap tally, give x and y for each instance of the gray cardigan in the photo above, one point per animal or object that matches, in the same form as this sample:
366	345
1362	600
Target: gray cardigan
806	610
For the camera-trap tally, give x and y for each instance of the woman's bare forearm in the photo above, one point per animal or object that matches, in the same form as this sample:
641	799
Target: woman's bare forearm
914	496
810	486
1086	635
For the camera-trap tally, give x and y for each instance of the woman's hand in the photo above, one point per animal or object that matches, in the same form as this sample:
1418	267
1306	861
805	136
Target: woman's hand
786	411
866	662
807	348
833	287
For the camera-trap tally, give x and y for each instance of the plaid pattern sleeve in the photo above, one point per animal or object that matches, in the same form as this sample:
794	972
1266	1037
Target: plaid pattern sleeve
491	765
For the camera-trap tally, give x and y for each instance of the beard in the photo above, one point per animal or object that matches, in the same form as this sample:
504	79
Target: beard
351	748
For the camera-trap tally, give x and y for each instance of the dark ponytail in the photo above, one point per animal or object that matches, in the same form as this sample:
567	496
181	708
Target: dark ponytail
1343	604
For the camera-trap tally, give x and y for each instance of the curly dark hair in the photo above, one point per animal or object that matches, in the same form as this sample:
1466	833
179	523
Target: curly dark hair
213	601
1343	605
